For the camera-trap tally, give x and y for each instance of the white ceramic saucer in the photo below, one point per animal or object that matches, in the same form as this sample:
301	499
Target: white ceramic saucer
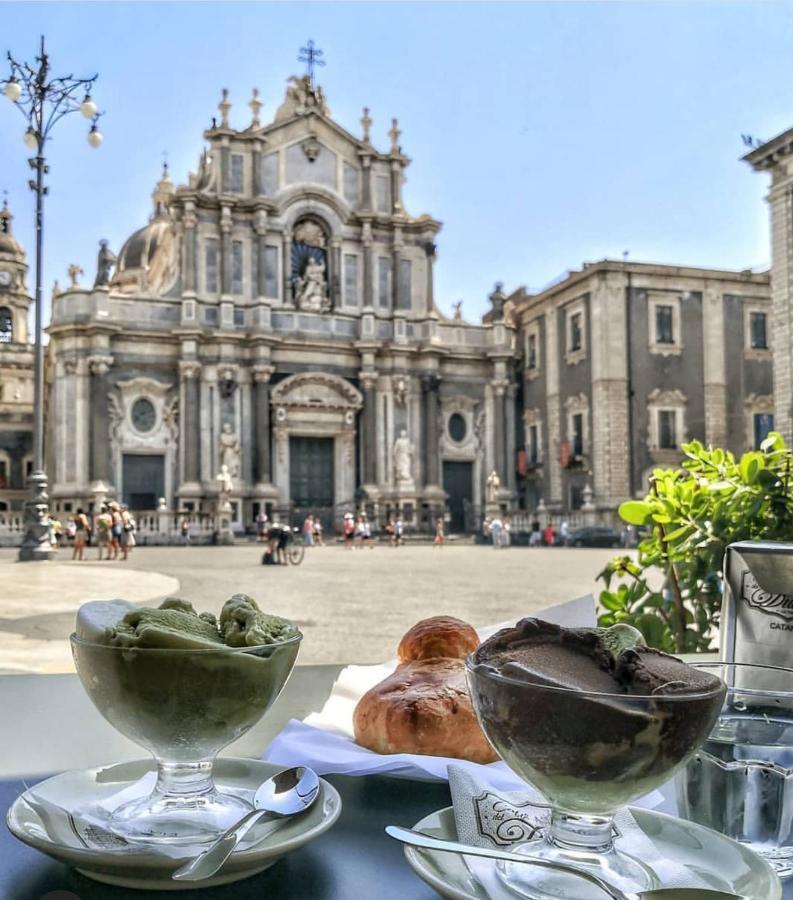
141	867
719	861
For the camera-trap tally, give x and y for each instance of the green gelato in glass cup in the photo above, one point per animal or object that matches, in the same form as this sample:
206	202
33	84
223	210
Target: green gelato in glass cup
183	686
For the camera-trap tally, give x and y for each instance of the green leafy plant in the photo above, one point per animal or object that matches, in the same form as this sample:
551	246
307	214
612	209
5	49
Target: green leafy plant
672	593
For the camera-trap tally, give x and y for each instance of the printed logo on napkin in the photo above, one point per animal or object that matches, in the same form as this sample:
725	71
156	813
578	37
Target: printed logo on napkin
772	604
504	823
96	838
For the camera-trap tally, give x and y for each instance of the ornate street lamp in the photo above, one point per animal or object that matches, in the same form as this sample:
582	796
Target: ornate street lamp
43	101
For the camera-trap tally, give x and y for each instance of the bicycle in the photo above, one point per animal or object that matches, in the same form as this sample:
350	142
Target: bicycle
294	549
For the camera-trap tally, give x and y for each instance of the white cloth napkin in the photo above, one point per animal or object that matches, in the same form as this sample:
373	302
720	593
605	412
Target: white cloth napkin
491	818
325	742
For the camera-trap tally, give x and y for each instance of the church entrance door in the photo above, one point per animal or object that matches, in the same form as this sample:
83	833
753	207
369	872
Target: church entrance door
142	480
311	479
458	483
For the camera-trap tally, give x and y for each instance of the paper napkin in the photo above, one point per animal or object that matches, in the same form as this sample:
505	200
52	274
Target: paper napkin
487	817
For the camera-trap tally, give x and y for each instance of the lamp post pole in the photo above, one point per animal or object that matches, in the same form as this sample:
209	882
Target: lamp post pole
43	101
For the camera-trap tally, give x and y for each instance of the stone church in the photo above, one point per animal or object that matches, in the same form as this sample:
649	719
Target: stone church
274	324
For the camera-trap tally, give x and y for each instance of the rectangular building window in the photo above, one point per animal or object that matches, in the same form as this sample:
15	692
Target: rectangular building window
405	286
237	183
211	315
3	473
271	271
759	331
239	317
211	265
531	351
575	339
383	282
268	174
577	442
350	279
351	185
667	429
236	267
763	424
664	325
382	191
534	444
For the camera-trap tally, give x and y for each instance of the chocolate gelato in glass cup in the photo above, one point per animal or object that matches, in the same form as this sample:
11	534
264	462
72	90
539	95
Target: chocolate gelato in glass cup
593	719
183	686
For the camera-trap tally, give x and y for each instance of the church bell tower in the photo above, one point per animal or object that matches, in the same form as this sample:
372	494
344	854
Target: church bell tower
14	299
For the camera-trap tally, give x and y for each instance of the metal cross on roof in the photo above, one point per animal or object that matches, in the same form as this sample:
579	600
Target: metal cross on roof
310	55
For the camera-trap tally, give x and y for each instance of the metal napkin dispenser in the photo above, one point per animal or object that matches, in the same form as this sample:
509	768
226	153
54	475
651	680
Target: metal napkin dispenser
757	605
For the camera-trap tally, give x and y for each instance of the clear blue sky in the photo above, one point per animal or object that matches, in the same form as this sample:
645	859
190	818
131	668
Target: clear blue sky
542	134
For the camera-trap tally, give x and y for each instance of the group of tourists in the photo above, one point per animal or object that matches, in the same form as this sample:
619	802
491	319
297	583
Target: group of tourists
112	532
499	531
312	531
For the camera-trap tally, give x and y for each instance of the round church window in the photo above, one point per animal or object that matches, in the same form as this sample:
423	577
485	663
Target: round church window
143	414
457	427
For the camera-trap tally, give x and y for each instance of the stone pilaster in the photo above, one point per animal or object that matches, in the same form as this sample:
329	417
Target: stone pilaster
287	270
430	249
368	276
430	386
99	441
610	451
189	221
553	415
499	429
509	450
714	368
225	252
262	473
189	372
366	163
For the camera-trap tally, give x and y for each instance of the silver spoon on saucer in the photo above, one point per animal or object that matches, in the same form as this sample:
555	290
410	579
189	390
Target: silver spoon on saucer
417	839
284	794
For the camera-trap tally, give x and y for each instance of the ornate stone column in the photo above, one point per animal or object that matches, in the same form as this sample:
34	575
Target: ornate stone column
430	385
509	433
366	163
368	282
189	221
261	415
191	385
499	431
287	271
430	249
225	251
368	382
99	442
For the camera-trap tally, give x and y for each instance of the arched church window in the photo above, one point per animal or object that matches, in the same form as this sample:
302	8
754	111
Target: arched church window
6	325
309	277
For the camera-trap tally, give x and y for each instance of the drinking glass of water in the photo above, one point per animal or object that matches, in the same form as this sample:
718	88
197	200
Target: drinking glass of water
740	782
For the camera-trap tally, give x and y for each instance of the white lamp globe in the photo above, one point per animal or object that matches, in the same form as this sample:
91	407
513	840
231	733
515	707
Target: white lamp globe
13	90
31	142
95	137
88	107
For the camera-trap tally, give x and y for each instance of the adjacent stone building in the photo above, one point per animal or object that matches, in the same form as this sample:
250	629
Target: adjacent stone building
16	372
275	323
622	362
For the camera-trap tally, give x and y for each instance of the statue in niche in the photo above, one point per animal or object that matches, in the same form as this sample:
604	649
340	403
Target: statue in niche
104	265
403	458
229	450
311	289
309	266
492	487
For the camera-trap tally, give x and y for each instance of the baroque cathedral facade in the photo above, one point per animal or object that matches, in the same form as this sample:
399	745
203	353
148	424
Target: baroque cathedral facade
273	330
275	323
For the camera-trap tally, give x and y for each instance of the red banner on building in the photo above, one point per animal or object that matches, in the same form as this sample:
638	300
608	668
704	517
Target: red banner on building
564	454
522	462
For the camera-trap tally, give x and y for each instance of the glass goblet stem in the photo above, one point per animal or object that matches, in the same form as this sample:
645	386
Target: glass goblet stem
592	834
184	779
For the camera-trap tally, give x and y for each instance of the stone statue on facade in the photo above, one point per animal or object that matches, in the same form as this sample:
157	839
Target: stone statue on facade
458	310
74	272
229	450
311	288
492	487
225	485
104	265
403	458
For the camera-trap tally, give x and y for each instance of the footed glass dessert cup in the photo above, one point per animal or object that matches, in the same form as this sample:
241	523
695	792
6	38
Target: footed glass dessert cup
183	706
740	781
589	753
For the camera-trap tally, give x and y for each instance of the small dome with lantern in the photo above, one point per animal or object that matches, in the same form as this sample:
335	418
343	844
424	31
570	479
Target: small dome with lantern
9	246
148	261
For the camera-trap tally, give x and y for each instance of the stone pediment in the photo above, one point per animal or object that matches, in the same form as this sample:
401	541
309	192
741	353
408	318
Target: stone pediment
315	390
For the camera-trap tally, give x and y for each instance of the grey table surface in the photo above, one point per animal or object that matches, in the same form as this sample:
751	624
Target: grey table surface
49	725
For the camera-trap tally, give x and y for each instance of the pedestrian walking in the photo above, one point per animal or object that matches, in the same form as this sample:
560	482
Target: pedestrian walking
80	524
102	526
398	529
495	531
506	532
128	528
439	535
184	531
548	535
318	532
261	526
308	530
116	529
348	530
564	533
535	535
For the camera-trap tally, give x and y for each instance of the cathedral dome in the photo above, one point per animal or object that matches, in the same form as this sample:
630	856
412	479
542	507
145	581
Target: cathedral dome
8	243
147	258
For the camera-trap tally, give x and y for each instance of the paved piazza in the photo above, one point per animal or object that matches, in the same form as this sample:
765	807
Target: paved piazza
352	606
